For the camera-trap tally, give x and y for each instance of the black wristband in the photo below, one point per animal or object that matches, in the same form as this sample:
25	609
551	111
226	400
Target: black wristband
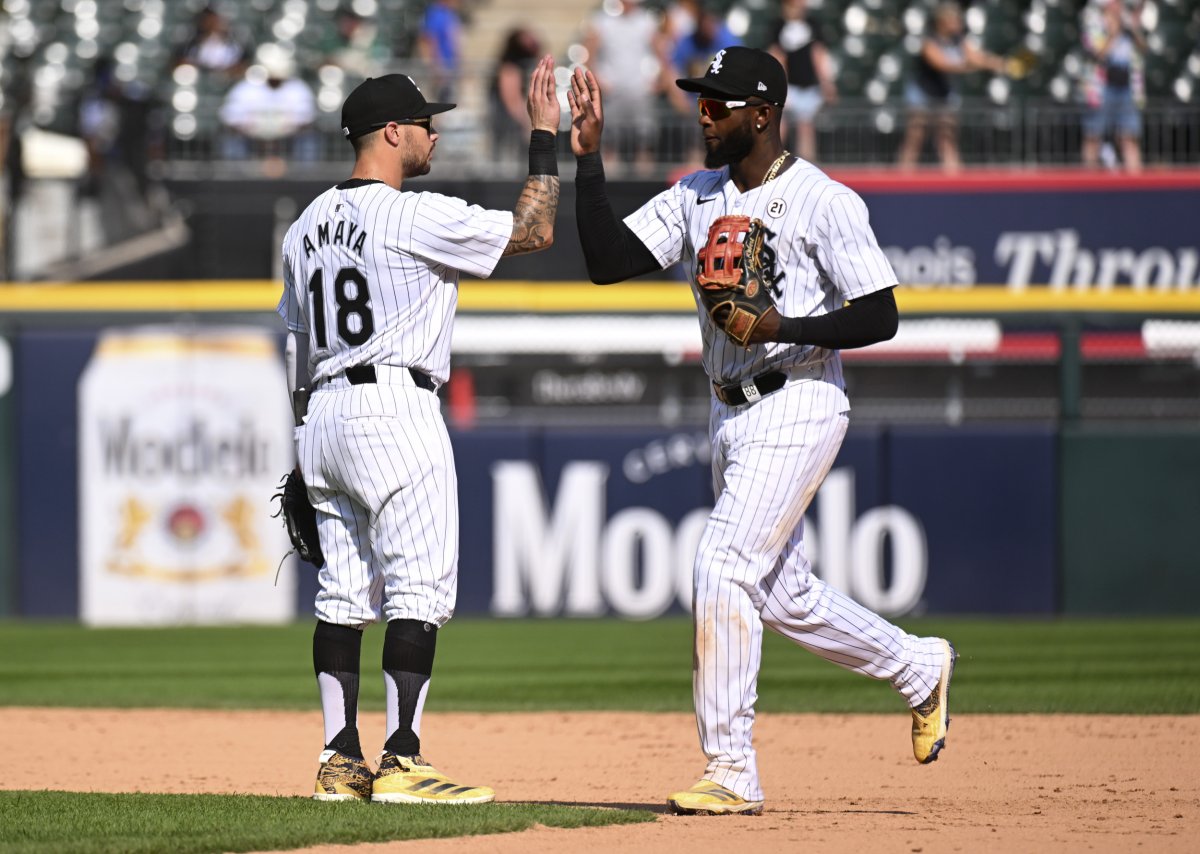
790	330
543	153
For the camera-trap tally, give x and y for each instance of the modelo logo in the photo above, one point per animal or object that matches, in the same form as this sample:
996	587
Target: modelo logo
565	559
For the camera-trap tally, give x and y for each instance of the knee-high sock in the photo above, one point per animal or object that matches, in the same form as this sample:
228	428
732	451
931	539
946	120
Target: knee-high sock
336	652
408	649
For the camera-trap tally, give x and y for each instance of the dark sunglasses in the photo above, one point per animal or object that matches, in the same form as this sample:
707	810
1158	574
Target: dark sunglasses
423	122
717	109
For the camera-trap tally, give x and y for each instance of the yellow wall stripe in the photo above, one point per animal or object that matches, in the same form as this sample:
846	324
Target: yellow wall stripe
257	295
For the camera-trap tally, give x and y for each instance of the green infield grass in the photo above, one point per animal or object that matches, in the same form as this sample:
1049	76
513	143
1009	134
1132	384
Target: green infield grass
90	823
1053	665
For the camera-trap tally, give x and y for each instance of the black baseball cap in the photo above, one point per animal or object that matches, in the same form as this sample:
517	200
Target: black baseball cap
740	72
379	100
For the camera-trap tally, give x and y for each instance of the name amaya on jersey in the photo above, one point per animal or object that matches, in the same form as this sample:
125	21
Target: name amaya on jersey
343	234
371	274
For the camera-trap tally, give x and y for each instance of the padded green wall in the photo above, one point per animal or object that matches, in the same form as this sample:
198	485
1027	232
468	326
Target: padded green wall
1130	521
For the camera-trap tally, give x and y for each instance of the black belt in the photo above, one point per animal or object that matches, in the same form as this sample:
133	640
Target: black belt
365	375
735	395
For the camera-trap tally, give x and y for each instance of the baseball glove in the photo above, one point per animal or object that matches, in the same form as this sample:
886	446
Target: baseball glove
732	282
300	518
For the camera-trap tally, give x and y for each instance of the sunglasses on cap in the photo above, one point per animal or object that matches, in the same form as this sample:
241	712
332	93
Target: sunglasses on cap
716	109
423	122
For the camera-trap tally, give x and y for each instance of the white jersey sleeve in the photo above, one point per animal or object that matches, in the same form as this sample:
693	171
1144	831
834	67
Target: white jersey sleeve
289	307
660	225
450	232
848	249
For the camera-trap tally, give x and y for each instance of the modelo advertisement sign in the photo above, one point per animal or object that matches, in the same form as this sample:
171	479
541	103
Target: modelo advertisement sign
178	447
581	524
1075	233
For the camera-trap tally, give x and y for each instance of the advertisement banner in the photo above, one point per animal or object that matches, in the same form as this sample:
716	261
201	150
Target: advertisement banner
1081	236
581	524
180	438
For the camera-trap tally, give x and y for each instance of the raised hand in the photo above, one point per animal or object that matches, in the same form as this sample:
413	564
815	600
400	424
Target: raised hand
542	103
587	112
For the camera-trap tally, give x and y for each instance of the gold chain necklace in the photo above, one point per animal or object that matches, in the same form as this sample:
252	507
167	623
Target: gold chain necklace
776	166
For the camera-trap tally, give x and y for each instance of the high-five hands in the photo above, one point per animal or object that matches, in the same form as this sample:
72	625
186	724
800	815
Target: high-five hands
587	112
542	103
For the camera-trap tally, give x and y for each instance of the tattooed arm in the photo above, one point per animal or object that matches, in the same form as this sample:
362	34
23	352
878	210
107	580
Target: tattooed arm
533	218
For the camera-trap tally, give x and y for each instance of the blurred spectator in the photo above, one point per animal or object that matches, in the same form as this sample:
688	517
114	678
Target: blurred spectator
694	52
1114	86
691	57
354	45
507	95
116	123
270	113
678	22
213	49
440	46
626	53
798	42
932	91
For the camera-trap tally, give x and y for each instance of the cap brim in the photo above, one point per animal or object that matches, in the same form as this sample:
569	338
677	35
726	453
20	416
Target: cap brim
432	110
707	86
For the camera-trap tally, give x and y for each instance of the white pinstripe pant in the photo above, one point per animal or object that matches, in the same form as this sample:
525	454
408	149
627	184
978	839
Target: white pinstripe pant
768	461
380	473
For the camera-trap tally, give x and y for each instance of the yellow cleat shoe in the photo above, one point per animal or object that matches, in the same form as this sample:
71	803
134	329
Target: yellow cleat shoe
931	719
708	798
342	778
412	780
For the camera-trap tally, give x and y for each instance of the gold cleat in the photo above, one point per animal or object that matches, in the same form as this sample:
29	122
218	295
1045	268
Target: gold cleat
342	778
412	780
931	719
709	798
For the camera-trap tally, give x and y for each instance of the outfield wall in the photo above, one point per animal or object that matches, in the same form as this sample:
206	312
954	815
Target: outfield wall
1015	227
1022	518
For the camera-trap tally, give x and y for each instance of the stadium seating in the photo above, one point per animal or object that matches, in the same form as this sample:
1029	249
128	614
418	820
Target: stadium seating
53	45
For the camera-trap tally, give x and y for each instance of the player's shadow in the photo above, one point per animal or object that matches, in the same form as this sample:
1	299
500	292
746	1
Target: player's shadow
611	805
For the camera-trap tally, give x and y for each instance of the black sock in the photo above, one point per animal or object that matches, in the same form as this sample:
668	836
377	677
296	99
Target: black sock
408	649
336	652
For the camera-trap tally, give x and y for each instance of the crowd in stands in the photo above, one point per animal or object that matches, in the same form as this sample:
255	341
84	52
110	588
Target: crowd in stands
272	75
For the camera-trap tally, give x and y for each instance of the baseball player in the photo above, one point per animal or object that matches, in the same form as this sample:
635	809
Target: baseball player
779	408
371	281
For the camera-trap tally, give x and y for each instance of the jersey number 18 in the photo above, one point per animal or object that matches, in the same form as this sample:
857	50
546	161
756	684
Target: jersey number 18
351	302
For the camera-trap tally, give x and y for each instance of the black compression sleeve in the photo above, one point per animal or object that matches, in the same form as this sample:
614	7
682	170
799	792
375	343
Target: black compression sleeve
612	251
866	320
543	154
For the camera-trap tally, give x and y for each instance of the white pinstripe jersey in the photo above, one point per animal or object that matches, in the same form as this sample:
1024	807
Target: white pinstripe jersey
825	253
371	273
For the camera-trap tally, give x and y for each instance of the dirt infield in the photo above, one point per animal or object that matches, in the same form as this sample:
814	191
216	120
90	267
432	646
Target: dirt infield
835	783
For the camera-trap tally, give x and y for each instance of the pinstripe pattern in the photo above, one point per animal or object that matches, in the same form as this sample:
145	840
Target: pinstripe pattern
377	458
769	458
823	243
416	246
380	473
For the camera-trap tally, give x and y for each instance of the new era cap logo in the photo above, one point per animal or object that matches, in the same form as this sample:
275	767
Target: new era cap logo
762	87
715	68
345	131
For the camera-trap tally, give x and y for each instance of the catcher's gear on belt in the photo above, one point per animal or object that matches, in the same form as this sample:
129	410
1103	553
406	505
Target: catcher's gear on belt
732	282
300	518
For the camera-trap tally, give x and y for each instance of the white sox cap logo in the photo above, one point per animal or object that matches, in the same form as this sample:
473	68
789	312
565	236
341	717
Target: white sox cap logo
715	68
